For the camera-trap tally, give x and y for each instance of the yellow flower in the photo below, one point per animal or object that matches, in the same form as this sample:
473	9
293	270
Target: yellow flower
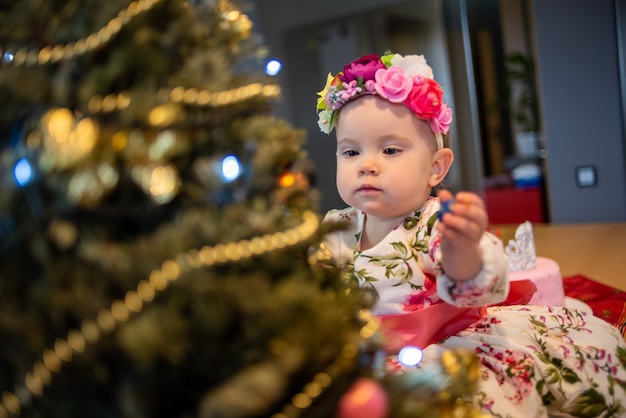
321	104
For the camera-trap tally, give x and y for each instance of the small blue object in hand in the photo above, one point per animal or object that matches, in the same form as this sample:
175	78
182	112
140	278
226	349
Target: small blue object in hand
445	208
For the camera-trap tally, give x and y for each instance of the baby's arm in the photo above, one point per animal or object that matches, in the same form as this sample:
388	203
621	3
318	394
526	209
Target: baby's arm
461	230
473	262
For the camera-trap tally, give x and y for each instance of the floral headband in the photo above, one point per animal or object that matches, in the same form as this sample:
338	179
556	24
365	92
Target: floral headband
407	80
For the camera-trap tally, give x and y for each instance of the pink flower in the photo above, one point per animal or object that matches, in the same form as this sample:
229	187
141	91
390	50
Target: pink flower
488	403
425	100
393	84
434	246
511	359
350	90
441	121
365	67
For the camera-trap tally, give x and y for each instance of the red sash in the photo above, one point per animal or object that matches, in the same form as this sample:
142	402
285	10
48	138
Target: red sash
441	320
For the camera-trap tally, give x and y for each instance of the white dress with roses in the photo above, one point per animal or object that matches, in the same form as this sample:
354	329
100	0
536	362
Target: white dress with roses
536	361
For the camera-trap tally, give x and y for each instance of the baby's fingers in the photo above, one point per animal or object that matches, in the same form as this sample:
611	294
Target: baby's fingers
456	227
466	219
444	195
471	207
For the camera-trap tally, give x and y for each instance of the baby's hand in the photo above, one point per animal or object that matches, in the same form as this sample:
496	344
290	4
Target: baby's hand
461	228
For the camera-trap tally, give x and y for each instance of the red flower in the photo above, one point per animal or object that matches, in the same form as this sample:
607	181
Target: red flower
425	99
365	67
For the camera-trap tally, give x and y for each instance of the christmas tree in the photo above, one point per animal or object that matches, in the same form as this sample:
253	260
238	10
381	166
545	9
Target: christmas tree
155	230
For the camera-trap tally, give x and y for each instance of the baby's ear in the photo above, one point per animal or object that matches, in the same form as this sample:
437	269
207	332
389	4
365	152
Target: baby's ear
441	163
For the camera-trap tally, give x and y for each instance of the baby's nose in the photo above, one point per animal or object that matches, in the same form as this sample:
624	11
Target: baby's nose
368	166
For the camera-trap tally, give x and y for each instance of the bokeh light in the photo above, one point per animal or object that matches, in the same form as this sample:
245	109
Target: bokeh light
23	172
410	356
231	168
272	67
8	56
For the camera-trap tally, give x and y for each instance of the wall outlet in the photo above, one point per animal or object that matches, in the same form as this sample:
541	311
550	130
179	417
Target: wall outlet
586	176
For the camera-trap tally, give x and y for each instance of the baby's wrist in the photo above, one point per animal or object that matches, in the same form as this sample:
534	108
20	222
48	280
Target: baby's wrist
462	265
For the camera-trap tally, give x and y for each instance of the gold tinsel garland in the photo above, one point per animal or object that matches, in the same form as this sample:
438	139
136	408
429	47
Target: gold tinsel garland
188	96
134	302
52	54
58	53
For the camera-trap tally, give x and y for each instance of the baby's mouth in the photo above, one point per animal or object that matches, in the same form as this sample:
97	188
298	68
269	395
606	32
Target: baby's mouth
368	188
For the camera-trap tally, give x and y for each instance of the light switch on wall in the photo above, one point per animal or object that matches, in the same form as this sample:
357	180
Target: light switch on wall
586	176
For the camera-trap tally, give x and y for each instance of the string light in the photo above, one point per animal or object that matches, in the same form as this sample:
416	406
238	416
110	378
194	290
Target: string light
410	356
23	172
8	56
273	67
230	168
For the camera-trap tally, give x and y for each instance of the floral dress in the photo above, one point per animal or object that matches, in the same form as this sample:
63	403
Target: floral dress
536	361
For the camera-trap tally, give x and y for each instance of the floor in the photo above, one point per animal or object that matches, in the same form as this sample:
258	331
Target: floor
597	251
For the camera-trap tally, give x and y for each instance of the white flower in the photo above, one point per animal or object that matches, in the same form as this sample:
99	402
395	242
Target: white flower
413	65
324	121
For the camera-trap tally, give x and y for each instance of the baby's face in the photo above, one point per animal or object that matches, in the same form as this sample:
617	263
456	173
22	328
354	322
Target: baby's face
384	157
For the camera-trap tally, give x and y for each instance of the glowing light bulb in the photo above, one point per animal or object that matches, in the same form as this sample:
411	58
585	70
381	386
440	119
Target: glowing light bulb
410	356
272	67
8	56
23	172
230	168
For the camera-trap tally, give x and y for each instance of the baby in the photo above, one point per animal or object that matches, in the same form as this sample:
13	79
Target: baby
440	279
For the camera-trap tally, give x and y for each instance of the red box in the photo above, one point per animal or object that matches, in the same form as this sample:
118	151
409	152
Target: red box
512	205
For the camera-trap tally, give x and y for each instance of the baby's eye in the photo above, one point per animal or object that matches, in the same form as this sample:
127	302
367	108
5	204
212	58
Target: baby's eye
391	151
350	153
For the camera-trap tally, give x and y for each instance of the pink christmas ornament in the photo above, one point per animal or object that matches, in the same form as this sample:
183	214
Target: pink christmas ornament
365	399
